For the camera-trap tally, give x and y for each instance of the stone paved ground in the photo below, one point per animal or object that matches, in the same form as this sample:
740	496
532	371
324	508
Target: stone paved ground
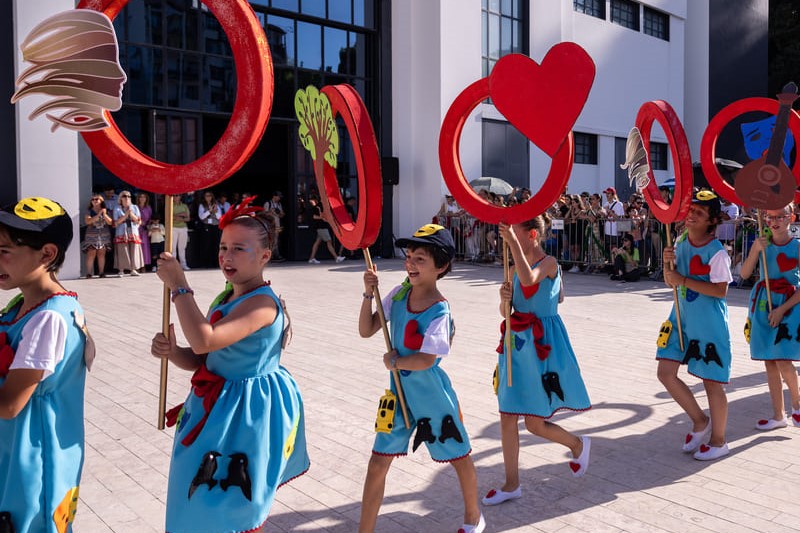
638	479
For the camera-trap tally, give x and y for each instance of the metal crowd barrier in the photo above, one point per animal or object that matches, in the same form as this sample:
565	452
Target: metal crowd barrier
585	245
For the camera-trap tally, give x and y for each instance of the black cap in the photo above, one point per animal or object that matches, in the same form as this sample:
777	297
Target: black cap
40	215
709	199
431	235
706	197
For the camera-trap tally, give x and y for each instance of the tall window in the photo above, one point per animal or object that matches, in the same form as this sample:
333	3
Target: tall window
504	26
656	23
505	153
625	13
595	8
585	148
658	156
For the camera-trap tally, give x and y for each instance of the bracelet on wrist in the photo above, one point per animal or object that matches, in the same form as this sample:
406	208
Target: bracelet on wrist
179	291
368	296
394	362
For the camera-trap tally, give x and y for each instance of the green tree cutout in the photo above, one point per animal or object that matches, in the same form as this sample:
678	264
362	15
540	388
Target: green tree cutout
318	131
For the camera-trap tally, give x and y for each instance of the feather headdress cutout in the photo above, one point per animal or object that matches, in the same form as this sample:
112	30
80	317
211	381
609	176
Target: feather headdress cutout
242	209
636	160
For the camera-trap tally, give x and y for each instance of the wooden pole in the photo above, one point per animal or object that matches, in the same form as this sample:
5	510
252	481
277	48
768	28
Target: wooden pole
764	260
675	291
507	312
162	390
386	337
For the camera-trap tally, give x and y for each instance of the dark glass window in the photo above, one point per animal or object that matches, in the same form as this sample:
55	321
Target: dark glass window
595	8
288	5
656	23
585	148
504	30
335	50
658	156
280	36
625	13
340	11
505	153
309	46
315	8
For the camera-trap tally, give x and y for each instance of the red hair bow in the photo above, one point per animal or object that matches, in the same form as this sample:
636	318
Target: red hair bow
242	209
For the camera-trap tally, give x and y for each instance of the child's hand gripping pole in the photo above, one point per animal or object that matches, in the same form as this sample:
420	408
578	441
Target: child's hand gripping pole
162	389
507	311
675	291
764	260
395	374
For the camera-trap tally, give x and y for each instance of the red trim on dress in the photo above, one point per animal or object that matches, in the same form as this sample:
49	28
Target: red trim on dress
26	313
574	409
452	460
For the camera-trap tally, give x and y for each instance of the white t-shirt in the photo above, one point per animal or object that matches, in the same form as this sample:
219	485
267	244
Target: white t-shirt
437	337
616	208
720	265
44	338
726	230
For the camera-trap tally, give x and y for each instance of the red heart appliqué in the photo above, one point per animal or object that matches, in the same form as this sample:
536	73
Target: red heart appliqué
697	267
543	101
215	317
574	466
785	263
413	338
528	292
6	354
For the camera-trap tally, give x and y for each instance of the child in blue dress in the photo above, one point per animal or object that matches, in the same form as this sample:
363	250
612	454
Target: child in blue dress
241	432
702	273
775	337
43	360
544	370
421	330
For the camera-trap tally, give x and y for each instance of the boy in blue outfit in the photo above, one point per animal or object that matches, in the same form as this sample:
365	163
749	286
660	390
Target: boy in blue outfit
419	318
43	362
702	273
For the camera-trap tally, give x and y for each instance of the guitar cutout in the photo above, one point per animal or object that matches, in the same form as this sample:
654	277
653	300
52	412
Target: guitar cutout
767	182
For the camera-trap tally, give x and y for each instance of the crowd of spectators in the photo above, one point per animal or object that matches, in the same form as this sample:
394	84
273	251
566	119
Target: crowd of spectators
597	232
122	237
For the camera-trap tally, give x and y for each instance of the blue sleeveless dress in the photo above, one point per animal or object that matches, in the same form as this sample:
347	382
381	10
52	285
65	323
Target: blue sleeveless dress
231	454
42	448
544	370
781	343
707	342
433	408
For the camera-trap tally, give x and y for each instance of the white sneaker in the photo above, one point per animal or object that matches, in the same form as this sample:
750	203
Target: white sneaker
185	267
695	438
134	273
497	496
340	259
769	424
474	528
709	453
574	269
313	261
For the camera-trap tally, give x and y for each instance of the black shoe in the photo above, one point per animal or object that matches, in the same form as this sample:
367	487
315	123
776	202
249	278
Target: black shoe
614	277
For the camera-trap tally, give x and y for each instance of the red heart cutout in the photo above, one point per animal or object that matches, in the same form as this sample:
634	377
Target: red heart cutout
697	267
574	466
785	263
543	101
6	358
528	292
215	317
413	338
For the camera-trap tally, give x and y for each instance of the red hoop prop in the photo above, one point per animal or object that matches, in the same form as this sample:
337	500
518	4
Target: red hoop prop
708	147
453	173
661	112
251	112
347	103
